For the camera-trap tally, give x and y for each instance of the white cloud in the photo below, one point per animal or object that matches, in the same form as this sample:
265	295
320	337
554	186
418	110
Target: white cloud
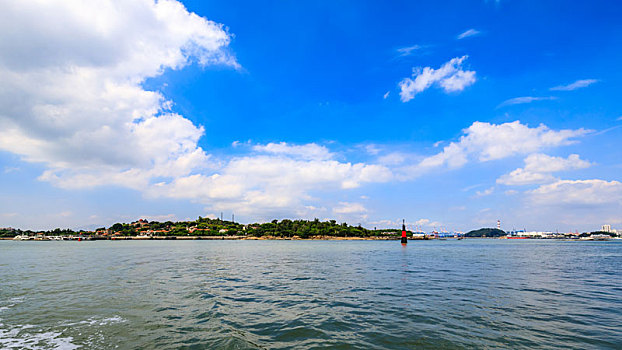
349	208
578	193
468	33
262	186
394	158
573	204
8	170
524	99
538	169
619	118
160	218
408	50
576	85
420	223
72	95
372	149
450	77
544	163
309	151
523	177
485	192
485	142
468	188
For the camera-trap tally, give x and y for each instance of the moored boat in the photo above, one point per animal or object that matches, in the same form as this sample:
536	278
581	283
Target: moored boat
22	238
600	237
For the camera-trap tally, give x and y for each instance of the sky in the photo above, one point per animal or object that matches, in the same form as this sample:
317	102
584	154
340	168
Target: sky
448	114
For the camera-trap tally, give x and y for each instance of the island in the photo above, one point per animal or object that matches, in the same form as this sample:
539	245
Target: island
208	228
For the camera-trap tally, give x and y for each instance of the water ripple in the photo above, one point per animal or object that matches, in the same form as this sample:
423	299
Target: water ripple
281	295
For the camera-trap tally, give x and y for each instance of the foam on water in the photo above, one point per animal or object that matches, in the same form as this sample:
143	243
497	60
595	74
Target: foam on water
10	303
95	321
31	338
34	337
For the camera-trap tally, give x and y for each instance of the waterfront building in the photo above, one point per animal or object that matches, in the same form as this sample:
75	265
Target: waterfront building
606	228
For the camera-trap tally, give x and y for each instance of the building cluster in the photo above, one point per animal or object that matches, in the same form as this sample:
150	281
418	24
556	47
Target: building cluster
550	234
608	229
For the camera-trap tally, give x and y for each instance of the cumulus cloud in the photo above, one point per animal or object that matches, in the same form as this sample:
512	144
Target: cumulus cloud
576	85
486	142
544	163
524	99
468	33
524	177
570	204
72	95
265	185
578	193
539	168
450	77
72	99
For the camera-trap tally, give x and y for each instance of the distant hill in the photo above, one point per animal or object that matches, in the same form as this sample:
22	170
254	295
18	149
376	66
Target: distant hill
486	232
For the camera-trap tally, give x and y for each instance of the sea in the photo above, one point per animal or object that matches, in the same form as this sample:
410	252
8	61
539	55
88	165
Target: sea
452	294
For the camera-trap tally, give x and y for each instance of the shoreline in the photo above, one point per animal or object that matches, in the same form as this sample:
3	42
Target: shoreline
222	238
275	238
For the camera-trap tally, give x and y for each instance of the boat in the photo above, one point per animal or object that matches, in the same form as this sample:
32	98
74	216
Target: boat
600	237
22	238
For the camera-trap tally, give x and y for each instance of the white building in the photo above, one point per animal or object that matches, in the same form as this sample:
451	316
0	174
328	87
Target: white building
606	228
538	234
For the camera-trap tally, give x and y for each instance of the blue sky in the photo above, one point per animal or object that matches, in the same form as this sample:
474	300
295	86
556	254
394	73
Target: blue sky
448	114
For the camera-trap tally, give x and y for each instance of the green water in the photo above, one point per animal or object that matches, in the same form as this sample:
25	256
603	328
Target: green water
475	293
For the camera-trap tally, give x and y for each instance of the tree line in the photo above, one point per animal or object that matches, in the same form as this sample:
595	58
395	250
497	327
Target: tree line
217	227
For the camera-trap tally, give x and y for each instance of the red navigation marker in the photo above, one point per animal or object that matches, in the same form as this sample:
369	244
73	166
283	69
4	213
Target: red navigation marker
404	239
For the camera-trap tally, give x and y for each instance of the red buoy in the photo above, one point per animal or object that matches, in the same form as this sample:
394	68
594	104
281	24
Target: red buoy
404	239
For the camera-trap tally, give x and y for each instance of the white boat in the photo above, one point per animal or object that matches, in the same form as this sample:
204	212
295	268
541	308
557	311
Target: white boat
22	238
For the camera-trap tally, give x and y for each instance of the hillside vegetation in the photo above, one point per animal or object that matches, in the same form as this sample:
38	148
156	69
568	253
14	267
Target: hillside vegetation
486	232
